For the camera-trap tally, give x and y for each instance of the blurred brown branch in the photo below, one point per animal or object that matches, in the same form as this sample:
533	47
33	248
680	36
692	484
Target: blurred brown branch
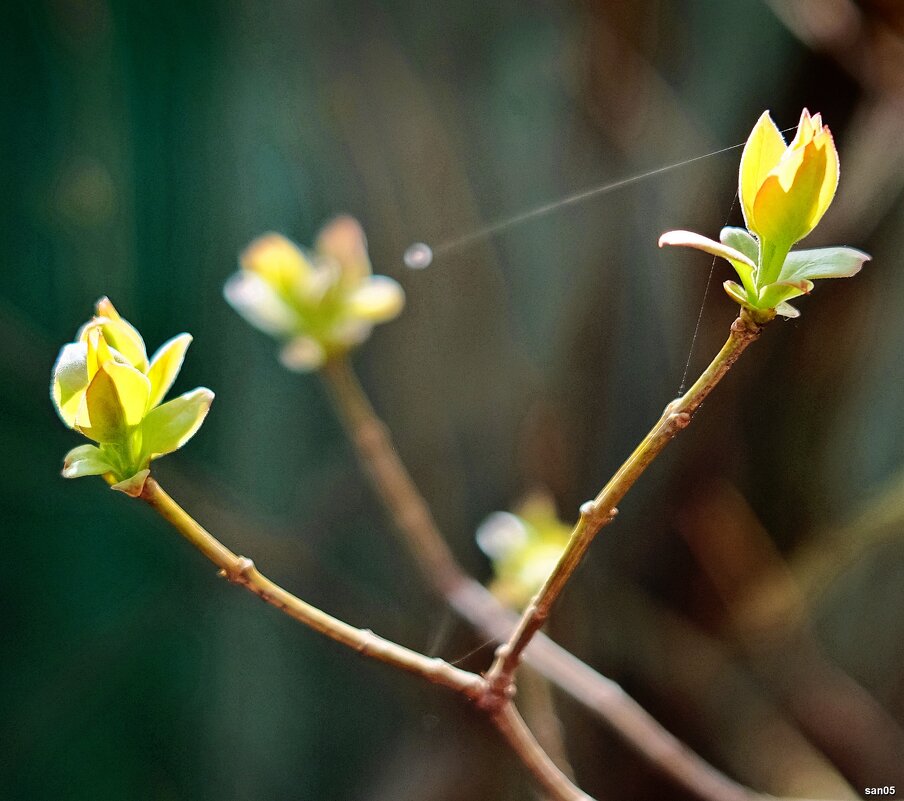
473	602
768	617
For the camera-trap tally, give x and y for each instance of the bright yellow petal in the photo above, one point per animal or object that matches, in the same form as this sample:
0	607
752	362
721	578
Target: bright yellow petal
785	216
762	153
100	416
805	131
830	182
98	351
787	168
133	389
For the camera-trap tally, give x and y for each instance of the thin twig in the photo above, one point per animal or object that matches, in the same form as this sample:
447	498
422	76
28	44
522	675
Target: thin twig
241	570
601	510
538	707
538	762
474	603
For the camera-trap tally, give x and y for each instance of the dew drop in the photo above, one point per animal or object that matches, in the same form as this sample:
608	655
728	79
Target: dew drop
418	256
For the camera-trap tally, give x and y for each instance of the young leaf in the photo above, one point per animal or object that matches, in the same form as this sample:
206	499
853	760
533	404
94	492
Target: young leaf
170	426
837	262
743	265
70	378
742	241
85	460
165	366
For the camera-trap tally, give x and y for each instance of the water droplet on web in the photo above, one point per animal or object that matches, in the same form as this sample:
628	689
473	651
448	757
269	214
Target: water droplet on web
418	256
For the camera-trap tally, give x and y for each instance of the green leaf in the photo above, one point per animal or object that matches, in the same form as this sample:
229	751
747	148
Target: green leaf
774	294
165	366
736	293
742	241
170	426
837	262
85	460
743	265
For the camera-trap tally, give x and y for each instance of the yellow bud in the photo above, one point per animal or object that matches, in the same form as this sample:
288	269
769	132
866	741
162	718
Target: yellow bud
104	387
318	303
785	190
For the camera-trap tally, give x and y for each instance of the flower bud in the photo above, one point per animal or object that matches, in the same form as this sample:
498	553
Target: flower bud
105	387
318	304
524	547
784	192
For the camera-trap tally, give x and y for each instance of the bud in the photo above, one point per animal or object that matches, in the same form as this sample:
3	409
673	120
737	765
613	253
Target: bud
105	387
784	192
319	304
524	547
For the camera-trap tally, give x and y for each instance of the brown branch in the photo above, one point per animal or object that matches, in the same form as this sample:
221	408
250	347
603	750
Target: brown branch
542	768
473	602
241	570
601	510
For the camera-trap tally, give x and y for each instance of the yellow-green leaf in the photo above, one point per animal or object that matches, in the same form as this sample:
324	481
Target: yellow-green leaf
165	366
837	262
743	266
169	426
100	416
85	460
70	379
133	389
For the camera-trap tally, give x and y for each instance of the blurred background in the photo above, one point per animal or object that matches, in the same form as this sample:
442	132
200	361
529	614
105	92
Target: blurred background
749	594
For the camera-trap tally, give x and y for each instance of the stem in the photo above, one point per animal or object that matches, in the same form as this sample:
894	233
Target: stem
510	724
601	510
378	457
241	570
538	707
474	603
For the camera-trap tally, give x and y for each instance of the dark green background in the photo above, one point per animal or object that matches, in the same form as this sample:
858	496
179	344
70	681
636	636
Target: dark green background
144	144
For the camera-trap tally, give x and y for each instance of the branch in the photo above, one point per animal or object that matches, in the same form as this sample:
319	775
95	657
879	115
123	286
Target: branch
601	510
542	768
241	570
474	603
